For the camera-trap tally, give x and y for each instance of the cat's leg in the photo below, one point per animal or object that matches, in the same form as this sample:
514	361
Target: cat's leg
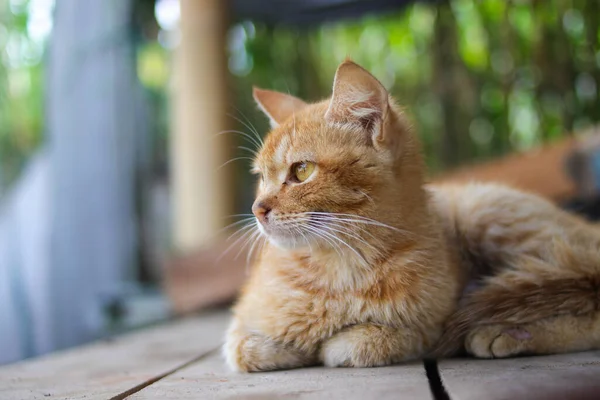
251	352
560	334
370	345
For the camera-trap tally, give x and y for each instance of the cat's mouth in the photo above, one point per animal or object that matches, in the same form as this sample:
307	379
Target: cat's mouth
286	240
285	233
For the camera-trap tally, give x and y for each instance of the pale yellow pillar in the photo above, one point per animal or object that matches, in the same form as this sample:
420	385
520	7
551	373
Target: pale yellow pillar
202	193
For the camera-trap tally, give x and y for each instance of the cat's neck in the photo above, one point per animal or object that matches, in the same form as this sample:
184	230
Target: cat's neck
355	262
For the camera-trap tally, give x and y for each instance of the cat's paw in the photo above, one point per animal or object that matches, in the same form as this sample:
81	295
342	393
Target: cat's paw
352	349
253	353
236	354
497	341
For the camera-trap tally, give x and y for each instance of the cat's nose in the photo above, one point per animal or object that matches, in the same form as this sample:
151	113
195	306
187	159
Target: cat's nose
261	210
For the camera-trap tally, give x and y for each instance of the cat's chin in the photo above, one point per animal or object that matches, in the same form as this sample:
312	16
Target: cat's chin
287	243
284	241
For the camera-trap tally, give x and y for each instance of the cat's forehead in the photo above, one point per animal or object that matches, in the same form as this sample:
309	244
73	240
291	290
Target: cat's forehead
290	141
278	146
305	136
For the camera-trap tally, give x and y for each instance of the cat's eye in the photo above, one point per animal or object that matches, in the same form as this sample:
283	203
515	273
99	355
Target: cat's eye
302	171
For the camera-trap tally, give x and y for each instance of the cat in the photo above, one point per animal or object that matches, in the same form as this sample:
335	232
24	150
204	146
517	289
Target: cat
367	265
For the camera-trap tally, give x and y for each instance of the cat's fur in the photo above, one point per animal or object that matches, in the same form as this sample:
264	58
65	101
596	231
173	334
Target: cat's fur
344	290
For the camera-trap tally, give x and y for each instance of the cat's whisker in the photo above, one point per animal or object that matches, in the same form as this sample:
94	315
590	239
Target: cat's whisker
252	237
344	225
234	159
241	221
246	231
355	219
239	231
338	229
253	152
251	251
348	218
306	239
326	230
317	232
239	215
350	225
334	225
248	126
367	196
294	227
250	139
328	226
299	231
252	127
261	244
358	254
354	236
346	215
294	131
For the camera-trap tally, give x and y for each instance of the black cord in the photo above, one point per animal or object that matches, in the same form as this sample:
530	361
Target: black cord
438	391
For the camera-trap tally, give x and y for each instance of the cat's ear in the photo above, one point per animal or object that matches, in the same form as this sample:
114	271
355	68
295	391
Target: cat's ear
277	106
358	98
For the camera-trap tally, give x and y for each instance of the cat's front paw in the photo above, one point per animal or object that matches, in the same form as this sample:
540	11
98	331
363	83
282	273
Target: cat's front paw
235	352
497	341
246	352
353	348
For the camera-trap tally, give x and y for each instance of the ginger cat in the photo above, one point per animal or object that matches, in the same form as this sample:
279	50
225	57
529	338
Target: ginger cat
367	266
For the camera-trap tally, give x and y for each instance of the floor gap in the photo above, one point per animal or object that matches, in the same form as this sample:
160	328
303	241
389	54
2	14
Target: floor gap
143	385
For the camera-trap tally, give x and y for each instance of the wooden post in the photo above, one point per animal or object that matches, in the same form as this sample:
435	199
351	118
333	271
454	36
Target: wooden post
202	193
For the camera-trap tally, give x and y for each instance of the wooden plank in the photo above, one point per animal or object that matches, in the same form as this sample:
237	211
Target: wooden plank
551	377
166	362
565	376
210	379
112	369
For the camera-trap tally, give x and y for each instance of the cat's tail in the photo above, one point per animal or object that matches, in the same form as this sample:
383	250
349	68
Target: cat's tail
564	282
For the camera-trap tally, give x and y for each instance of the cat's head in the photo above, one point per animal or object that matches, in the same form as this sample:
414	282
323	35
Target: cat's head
331	171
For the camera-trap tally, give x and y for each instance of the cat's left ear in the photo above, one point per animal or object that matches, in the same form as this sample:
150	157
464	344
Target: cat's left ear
360	99
277	106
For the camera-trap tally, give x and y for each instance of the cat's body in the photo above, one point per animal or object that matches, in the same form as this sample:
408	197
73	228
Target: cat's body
366	265
536	271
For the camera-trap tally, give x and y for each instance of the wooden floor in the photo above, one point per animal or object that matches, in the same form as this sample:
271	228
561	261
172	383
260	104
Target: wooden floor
181	360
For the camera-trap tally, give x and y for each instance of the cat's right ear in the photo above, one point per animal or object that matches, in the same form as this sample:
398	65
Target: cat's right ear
359	99
277	106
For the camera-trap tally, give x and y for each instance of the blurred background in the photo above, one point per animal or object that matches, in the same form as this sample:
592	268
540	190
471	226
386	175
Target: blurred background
118	119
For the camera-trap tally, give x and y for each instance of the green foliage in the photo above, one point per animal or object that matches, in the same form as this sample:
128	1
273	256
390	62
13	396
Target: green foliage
480	78
21	90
